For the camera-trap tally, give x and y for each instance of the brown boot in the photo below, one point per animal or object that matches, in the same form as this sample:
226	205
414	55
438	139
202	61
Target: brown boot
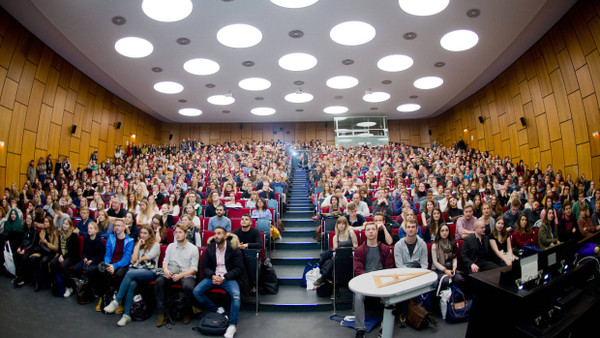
187	318
160	320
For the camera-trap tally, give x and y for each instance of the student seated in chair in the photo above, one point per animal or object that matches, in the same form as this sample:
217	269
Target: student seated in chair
370	256
179	267
223	266
476	253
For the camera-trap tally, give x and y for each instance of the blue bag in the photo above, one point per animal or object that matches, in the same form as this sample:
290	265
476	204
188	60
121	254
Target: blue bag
348	321
307	268
459	308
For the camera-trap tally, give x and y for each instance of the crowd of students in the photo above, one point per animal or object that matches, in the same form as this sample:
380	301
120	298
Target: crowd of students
122	209
449	199
412	197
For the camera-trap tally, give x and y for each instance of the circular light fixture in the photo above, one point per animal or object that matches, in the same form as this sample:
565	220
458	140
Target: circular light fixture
423	7
201	66
134	47
239	35
342	82
335	110
395	63
254	83
408	107
459	40
167	11
298	97
352	33
168	87
294	3
297	62
366	124
428	82
263	111
190	112
221	100
374	97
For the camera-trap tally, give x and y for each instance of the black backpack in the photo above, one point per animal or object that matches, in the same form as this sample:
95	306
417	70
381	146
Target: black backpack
140	310
175	308
269	284
212	324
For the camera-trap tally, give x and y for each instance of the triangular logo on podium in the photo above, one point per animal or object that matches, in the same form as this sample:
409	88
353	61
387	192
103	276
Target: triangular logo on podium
396	278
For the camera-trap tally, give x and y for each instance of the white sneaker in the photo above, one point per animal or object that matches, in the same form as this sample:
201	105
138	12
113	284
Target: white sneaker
220	310
124	320
112	307
68	292
230	331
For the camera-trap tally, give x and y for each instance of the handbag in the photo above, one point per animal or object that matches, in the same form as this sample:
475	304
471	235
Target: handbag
417	316
309	266
9	261
83	291
140	310
458	308
311	277
275	234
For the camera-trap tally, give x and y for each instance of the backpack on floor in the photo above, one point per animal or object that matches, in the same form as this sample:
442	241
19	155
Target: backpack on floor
212	324
269	284
140	310
174	308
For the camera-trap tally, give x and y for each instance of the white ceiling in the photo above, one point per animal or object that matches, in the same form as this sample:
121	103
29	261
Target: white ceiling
82	32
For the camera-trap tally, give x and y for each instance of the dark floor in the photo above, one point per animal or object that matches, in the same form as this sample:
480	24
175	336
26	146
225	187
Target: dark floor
24	313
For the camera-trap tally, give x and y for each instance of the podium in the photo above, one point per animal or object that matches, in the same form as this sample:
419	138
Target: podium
559	306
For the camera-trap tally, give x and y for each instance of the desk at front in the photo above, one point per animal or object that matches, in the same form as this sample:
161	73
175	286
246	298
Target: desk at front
563	305
393	292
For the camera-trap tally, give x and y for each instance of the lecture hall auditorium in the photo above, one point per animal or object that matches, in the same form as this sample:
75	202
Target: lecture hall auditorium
141	137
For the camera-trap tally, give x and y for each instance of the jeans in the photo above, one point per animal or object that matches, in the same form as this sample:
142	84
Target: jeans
129	283
230	286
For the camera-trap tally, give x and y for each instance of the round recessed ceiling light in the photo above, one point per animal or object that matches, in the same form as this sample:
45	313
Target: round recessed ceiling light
221	100
459	40
201	66
428	82
254	83
239	35
134	47
248	63
183	41
263	111
118	20
342	82
297	62
408	107
395	63
376	97
366	124
294	3
352	33
190	112
168	87
167	11
299	97
335	110
423	7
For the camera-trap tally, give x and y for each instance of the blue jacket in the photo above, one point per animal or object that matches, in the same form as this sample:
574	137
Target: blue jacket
127	251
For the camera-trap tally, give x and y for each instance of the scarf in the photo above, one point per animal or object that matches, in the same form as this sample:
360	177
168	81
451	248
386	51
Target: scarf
64	239
444	251
11	225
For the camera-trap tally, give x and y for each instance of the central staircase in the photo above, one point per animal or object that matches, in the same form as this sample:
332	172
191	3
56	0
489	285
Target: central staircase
294	250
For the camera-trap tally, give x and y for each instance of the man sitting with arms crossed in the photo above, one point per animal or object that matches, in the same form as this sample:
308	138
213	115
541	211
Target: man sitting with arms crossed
219	220
370	256
223	265
249	237
179	266
409	252
466	223
476	253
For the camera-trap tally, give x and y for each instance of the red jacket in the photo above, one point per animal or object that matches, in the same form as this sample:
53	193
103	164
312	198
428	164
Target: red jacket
360	257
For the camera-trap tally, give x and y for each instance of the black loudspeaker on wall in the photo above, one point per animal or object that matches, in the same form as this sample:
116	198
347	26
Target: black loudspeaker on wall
170	136
523	122
429	132
73	129
118	125
241	125
480	119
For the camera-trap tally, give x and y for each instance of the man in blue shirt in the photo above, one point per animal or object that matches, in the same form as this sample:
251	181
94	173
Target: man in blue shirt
220	220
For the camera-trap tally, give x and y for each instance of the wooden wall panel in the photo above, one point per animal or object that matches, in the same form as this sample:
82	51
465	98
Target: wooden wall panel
42	96
555	85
